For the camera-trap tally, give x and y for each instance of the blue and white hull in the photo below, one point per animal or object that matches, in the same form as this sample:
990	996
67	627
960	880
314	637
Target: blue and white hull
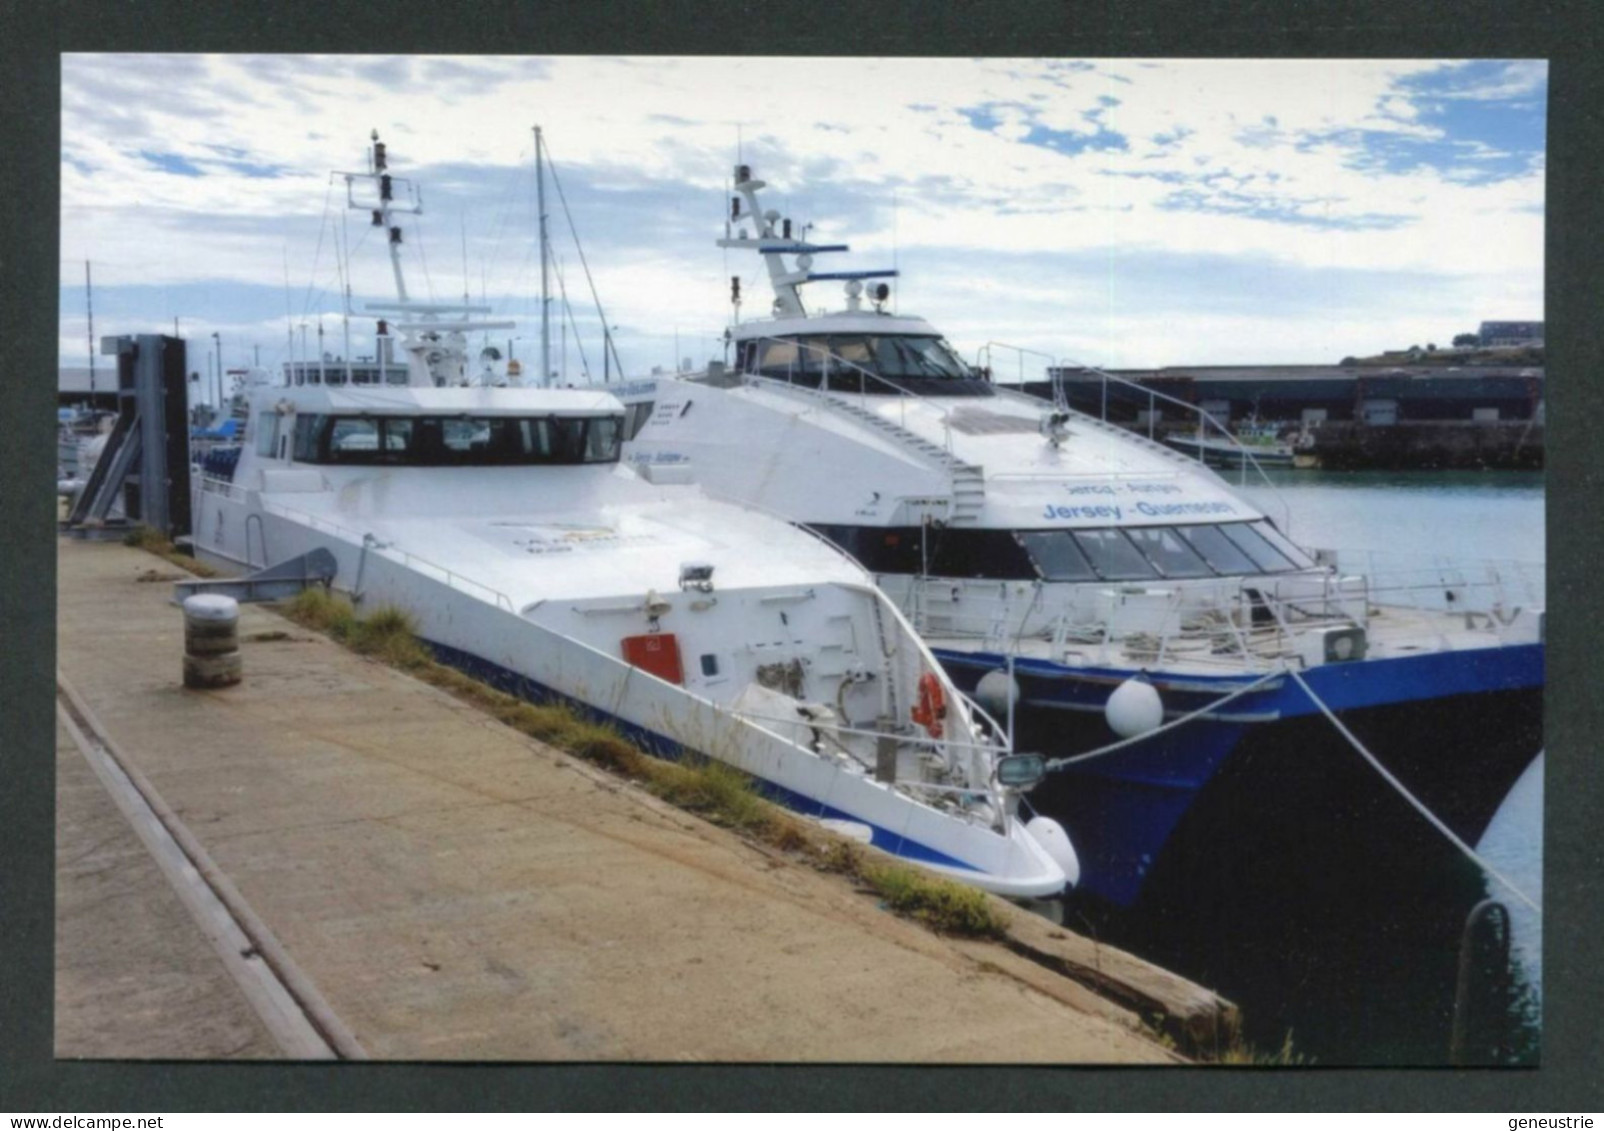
1456	727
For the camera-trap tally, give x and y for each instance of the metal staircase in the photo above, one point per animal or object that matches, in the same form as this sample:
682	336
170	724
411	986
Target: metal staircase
968	481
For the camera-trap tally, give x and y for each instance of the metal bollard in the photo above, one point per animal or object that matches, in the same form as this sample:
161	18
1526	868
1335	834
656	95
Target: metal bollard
211	642
1478	1007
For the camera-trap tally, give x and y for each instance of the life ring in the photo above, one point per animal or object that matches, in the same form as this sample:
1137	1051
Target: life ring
931	710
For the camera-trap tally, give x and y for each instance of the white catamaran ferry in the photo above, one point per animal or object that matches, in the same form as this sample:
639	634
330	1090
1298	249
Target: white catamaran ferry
1052	559
503	521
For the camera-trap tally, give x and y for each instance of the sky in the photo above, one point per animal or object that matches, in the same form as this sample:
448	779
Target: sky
1123	213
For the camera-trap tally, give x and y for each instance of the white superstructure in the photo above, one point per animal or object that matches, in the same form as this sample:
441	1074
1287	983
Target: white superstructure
998	521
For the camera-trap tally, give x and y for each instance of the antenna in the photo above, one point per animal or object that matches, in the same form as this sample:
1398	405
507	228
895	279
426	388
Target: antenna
89	304
342	258
289	312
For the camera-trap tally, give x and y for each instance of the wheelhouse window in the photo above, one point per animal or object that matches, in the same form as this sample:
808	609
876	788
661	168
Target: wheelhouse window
266	433
458	441
873	363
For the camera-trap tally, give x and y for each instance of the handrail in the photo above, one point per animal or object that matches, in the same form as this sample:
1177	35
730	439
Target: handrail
1058	397
1201	611
451	577
1054	374
1204	417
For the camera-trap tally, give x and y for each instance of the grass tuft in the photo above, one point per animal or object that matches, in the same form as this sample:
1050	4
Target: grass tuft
713	790
945	906
148	538
1240	1051
719	792
318	609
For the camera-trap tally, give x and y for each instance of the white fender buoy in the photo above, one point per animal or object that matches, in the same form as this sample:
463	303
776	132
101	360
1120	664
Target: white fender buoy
1135	708
1051	835
996	691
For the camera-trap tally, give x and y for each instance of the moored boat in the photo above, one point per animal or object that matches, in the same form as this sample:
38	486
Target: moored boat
1052	560
502	520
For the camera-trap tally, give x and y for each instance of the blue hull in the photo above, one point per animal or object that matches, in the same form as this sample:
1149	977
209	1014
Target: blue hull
514	683
1456	727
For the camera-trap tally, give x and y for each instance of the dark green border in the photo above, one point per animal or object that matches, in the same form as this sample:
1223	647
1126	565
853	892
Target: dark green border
1567	33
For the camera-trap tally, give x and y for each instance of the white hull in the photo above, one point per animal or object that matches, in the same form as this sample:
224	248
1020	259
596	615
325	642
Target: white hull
1010	863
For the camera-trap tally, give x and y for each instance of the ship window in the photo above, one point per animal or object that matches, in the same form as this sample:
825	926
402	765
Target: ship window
709	664
905	362
1224	555
1113	556
1284	544
354	435
308	430
1257	547
397	439
907	356
1056	556
603	434
780	355
973	553
1173	557
467	441
266	433
636	416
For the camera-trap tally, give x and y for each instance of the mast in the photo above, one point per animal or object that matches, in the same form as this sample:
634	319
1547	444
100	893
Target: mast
770	236
433	344
545	260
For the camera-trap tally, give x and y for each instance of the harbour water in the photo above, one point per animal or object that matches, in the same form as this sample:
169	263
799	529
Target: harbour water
1403	519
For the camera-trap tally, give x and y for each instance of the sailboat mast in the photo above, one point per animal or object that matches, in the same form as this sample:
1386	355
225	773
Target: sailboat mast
545	276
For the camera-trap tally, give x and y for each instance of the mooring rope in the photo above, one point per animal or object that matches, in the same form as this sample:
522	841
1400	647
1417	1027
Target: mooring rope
1419	806
1060	763
1403	791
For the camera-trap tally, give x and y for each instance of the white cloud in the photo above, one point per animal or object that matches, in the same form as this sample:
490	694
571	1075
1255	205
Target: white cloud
1251	145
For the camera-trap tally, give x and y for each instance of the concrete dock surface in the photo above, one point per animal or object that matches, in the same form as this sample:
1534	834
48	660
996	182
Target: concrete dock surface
458	891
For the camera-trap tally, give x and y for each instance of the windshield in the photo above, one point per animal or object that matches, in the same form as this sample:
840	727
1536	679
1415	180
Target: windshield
458	441
873	363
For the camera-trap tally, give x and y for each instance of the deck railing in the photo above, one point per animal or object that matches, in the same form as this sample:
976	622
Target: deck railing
1229	622
1206	421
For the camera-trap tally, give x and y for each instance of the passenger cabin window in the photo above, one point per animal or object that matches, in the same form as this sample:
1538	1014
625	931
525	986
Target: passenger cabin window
1113	556
1173	557
1222	554
458	441
1056	556
1258	547
1142	553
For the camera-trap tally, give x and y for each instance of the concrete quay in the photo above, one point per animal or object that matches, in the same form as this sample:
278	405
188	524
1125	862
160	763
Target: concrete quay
457	891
